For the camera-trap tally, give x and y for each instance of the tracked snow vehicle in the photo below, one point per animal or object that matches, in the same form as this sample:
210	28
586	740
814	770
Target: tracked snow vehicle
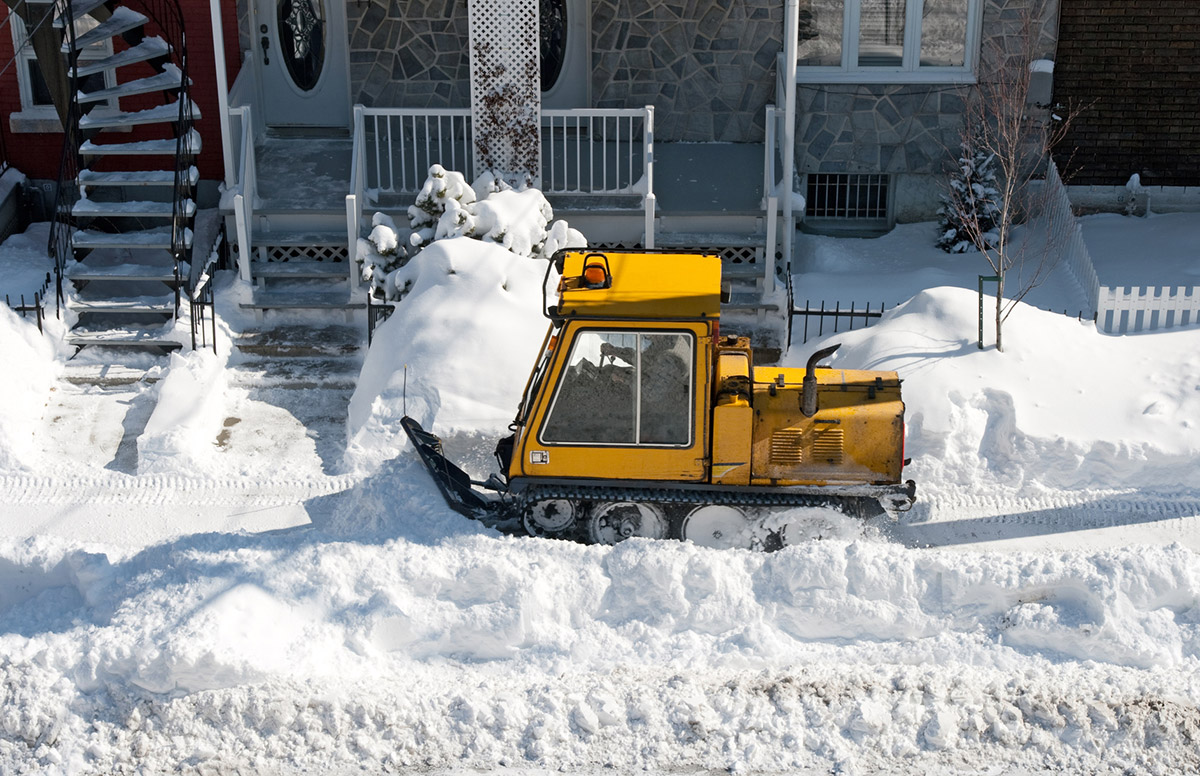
640	419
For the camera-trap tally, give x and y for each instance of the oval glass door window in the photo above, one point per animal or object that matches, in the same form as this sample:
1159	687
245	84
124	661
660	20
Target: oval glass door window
553	22
301	27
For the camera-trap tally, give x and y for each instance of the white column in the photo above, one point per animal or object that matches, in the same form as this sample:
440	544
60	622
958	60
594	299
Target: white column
222	91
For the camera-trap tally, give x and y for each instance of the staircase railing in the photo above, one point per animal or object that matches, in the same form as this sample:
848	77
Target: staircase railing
67	191
165	18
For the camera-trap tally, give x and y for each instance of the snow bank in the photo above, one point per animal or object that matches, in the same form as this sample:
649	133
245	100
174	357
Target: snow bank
181	432
468	329
25	389
649	655
1063	407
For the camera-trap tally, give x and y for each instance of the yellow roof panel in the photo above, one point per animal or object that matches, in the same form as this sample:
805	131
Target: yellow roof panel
643	285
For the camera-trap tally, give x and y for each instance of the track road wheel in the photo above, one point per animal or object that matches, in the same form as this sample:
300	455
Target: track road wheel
616	521
720	527
552	517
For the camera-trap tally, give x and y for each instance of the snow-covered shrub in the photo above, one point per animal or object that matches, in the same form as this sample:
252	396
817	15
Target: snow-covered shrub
380	252
488	210
973	205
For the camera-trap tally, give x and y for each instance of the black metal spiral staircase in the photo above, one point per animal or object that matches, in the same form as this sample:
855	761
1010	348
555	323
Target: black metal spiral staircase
125	210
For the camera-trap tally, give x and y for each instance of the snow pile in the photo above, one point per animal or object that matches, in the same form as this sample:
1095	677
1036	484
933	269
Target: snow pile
1063	407
468	330
1157	250
531	653
180	434
33	369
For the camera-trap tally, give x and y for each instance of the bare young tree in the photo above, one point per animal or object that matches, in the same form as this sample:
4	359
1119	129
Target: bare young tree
1003	128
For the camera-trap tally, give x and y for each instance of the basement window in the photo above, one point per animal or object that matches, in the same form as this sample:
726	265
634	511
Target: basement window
847	196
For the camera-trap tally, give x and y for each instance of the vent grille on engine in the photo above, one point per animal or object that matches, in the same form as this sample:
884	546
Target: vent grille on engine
787	447
827	447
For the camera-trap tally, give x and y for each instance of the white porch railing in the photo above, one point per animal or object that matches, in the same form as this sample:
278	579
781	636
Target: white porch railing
247	191
585	152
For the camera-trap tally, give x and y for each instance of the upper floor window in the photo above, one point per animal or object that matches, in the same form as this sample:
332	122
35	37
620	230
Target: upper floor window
888	41
34	91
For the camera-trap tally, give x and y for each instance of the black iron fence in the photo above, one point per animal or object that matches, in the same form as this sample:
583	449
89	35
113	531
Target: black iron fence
38	305
377	313
866	315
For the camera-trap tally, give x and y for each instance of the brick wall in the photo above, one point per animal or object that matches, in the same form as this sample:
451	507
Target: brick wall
1138	64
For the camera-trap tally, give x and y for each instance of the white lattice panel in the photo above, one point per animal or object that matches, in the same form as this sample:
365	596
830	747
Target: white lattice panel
506	88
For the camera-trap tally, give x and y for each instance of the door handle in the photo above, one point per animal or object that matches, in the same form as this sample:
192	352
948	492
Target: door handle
266	44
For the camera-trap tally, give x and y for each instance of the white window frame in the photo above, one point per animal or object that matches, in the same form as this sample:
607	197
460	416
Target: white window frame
910	71
44	118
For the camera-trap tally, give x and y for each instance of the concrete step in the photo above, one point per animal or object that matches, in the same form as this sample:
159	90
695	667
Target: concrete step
302	300
302	341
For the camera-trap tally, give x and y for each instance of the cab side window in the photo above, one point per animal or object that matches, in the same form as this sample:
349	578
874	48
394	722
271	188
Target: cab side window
624	388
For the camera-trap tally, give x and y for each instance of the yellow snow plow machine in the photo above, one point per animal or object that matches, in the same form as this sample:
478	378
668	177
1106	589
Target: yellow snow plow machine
640	419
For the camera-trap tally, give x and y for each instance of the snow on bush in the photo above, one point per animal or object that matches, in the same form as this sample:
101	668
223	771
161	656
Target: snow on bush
973	207
380	252
469	328
489	210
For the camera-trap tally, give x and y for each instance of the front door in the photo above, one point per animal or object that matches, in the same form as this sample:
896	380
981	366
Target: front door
301	60
566	49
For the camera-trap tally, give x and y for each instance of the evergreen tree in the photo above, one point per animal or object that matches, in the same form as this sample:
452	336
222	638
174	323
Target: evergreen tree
973	205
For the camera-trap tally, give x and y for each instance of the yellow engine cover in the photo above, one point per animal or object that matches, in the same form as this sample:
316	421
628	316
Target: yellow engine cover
855	437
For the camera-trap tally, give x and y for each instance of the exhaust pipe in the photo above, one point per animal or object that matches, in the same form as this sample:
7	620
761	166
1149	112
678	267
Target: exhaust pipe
808	399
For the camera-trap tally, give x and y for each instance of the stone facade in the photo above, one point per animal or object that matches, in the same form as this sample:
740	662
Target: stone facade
707	66
1136	66
409	53
909	129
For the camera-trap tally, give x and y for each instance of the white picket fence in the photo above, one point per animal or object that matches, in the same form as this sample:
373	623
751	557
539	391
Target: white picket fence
1128	309
1120	309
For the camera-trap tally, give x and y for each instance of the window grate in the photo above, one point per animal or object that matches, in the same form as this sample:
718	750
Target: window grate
846	195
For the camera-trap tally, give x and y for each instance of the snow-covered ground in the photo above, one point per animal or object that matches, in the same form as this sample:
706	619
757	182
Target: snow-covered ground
248	610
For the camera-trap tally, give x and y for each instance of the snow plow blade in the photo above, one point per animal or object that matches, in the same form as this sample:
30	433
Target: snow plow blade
453	482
